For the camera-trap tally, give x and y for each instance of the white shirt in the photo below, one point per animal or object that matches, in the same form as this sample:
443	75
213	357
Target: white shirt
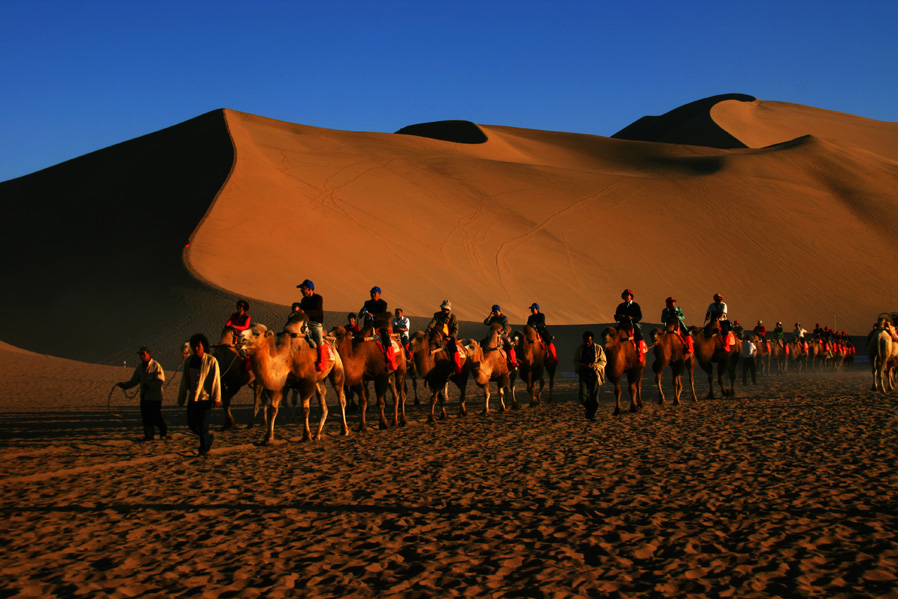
748	349
799	333
714	310
402	323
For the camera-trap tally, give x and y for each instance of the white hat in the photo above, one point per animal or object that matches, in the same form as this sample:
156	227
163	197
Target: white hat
446	305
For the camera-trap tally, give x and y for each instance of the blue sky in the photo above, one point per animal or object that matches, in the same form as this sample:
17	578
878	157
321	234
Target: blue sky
78	76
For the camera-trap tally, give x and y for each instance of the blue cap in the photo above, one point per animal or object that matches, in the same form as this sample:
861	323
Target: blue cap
496	308
307	283
534	305
375	290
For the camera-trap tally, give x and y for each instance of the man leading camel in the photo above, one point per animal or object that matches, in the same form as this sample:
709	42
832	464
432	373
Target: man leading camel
150	376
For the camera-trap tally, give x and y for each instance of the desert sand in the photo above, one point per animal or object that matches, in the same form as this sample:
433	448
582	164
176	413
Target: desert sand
788	490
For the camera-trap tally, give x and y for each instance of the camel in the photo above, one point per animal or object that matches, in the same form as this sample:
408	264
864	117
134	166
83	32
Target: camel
669	349
281	360
798	355
883	354
762	357
363	360
779	356
709	349
234	374
533	356
489	362
623	358
434	365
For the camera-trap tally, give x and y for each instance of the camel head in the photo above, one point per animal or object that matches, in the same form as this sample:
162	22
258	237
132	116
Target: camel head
298	323
474	351
609	337
340	334
530	334
253	338
655	334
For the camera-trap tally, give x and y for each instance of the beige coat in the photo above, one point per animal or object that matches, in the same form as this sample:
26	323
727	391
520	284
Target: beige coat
209	368
598	366
150	380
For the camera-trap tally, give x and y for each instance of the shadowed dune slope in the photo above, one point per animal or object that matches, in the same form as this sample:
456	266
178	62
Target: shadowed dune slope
689	124
790	231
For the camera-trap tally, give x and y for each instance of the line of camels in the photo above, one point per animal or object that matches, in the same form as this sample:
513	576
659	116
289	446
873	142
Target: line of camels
282	362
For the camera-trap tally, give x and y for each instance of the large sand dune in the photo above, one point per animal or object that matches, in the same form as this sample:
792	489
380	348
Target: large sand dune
797	225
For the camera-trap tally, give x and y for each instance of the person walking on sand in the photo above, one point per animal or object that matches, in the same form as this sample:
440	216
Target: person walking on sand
200	390
150	376
589	364
749	351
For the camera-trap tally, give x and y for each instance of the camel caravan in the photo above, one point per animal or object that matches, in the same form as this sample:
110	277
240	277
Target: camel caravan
348	358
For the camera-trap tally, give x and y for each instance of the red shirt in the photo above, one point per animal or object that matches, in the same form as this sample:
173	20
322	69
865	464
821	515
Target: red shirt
241	323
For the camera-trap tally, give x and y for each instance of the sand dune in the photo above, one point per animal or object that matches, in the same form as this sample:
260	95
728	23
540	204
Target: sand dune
788	228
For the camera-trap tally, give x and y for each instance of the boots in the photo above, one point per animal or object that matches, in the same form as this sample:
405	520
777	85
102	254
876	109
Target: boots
690	345
321	364
553	354
390	354
512	358
456	362
641	350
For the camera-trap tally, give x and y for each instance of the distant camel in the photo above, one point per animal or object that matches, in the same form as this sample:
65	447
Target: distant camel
709	350
364	360
489	362
882	351
798	354
623	359
670	350
533	357
435	366
279	360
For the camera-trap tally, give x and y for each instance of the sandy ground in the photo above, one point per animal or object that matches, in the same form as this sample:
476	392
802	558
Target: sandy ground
787	490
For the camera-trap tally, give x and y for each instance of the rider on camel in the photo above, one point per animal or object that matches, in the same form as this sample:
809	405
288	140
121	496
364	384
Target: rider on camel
738	329
718	311
779	334
313	305
496	317
760	330
628	312
537	320
239	320
673	311
372	310
446	323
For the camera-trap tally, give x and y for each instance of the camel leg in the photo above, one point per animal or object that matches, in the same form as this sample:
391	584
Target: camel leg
321	393
551	382
362	392
634	394
710	372
433	404
678	388
257	403
486	398
275	403
403	396
514	400
617	394
658	384
380	389
444	398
